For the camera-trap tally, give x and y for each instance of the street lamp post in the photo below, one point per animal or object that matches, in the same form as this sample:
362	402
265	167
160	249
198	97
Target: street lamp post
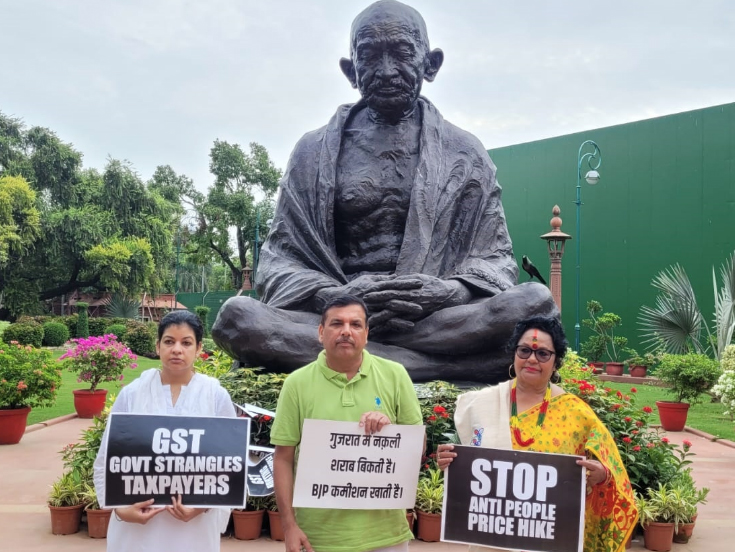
593	157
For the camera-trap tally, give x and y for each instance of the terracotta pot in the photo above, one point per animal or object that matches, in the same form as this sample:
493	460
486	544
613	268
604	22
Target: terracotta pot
684	532
638	371
89	404
13	424
614	368
597	367
410	518
274	520
673	415
248	523
430	526
65	520
658	536
97	523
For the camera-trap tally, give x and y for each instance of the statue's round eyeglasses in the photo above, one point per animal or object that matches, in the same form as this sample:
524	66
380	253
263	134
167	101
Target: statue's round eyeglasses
542	355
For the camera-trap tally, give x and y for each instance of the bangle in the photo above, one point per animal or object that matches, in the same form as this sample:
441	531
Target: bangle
608	475
116	516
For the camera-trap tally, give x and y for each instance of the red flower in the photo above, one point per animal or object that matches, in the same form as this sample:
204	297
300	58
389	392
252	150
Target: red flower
633	390
687	445
438	409
634	432
647	409
628	419
639	423
432	418
266	418
619	394
22	386
665	440
636	448
627	440
445	414
616	406
426	466
204	356
650	445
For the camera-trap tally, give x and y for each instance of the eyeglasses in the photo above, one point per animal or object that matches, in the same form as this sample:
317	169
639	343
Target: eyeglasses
542	355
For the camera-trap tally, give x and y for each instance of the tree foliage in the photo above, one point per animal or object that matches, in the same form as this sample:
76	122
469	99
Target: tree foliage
245	183
106	230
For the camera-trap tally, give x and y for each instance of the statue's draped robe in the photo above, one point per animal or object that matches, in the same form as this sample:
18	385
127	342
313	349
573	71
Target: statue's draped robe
455	227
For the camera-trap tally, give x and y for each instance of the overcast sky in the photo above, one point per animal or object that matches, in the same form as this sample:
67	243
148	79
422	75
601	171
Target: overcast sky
157	81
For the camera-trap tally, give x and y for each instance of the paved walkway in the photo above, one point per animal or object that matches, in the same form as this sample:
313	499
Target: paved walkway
28	469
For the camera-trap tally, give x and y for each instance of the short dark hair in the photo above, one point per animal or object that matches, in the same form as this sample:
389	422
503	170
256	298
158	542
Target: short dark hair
344	301
551	326
180	317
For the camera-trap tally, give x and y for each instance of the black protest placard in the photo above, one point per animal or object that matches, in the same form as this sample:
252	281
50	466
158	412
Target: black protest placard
203	459
514	499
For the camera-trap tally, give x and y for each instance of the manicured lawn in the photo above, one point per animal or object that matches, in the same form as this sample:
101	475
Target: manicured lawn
707	416
65	399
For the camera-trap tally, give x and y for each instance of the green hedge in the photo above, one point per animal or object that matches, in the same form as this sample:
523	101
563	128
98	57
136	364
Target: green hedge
55	334
24	333
118	330
83	320
139	339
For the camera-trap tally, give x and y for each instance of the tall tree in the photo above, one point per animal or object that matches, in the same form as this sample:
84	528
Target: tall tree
244	187
106	231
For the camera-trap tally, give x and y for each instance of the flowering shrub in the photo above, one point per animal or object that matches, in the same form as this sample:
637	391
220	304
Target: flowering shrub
725	388
99	359
649	458
437	400
27	376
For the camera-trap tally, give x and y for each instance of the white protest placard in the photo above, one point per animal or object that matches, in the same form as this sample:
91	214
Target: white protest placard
517	500
342	467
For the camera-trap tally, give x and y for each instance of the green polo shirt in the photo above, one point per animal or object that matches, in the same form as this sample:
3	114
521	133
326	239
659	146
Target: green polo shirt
317	392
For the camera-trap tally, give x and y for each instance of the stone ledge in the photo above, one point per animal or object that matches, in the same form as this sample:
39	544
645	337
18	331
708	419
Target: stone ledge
47	423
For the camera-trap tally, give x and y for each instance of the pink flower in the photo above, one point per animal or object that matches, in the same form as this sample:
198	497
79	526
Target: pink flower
665	440
636	448
627	440
650	445
647	409
22	386
687	445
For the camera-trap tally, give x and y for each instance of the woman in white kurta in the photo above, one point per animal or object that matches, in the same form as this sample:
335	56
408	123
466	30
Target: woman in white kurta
175	390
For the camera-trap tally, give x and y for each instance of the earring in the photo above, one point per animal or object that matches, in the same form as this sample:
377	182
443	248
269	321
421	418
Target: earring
511	369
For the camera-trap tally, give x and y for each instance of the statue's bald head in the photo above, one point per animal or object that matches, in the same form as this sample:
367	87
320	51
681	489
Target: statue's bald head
387	15
390	57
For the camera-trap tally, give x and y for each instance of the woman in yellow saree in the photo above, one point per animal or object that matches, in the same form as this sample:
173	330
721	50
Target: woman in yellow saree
529	412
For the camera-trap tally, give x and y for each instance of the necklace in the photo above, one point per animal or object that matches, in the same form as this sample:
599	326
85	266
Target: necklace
515	424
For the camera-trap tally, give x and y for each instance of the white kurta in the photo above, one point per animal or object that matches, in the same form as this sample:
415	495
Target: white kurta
203	396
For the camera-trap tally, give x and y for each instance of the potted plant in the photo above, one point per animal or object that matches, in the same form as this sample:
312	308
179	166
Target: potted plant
248	523
429	499
687	493
689	376
604	340
98	519
65	503
638	365
28	378
274	521
661	510
96	360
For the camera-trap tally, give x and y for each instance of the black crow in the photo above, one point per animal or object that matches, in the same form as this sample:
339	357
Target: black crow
532	270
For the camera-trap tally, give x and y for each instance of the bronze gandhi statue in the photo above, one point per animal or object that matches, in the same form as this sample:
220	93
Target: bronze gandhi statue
391	203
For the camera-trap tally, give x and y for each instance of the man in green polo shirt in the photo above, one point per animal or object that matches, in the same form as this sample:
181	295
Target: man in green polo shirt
345	383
